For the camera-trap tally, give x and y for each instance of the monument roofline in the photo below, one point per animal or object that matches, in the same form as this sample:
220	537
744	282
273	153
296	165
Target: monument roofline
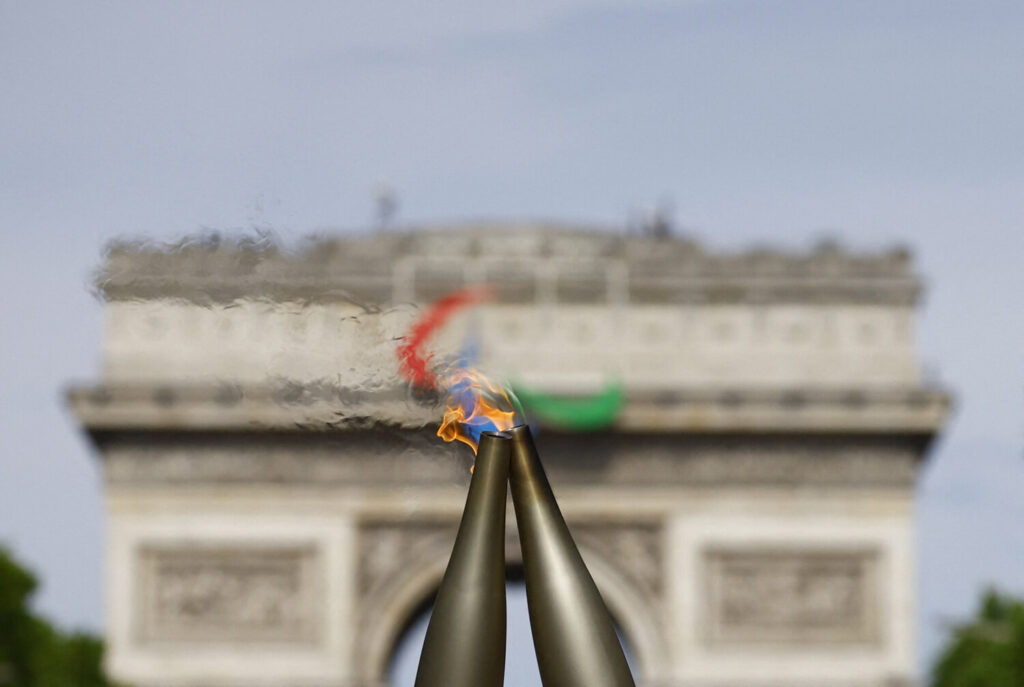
582	264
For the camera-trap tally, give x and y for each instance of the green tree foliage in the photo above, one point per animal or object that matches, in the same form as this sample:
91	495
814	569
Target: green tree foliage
32	652
988	652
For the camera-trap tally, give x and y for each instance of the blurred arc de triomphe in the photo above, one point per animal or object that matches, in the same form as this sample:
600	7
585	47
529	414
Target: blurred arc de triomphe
277	509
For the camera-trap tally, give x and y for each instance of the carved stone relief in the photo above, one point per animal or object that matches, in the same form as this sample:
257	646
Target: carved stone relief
387	548
229	593
791	596
634	549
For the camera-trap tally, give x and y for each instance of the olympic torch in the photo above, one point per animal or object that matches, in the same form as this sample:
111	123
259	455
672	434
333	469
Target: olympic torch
573	632
465	642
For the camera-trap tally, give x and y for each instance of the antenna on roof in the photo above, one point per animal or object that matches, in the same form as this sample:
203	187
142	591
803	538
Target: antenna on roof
657	223
385	204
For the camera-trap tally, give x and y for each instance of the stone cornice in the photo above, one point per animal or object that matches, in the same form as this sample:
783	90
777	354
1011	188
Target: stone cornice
920	411
579	265
234	408
318	408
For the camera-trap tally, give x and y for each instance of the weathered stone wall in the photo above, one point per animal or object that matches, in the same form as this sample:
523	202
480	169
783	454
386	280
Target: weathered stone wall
718	557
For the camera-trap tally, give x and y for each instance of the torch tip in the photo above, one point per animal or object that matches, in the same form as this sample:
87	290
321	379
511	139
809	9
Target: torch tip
494	446
520	434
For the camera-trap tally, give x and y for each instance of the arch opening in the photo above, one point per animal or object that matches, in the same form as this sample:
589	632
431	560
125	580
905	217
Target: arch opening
520	659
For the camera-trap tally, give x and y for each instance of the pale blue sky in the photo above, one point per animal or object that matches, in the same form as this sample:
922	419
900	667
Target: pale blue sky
765	121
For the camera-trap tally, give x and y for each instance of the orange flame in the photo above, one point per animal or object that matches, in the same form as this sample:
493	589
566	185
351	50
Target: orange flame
475	404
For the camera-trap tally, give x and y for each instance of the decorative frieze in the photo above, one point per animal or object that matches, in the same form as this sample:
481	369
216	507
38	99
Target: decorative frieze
791	596
228	594
388	549
633	548
383	459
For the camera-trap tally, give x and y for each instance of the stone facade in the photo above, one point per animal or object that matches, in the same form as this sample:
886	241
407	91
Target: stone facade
278	509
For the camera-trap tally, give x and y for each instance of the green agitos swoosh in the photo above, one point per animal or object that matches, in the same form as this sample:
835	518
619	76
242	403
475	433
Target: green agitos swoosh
570	412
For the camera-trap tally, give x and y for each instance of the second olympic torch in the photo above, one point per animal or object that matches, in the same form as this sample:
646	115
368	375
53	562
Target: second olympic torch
573	632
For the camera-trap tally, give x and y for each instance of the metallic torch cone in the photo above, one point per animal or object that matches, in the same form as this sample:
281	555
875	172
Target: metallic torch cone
573	632
465	643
